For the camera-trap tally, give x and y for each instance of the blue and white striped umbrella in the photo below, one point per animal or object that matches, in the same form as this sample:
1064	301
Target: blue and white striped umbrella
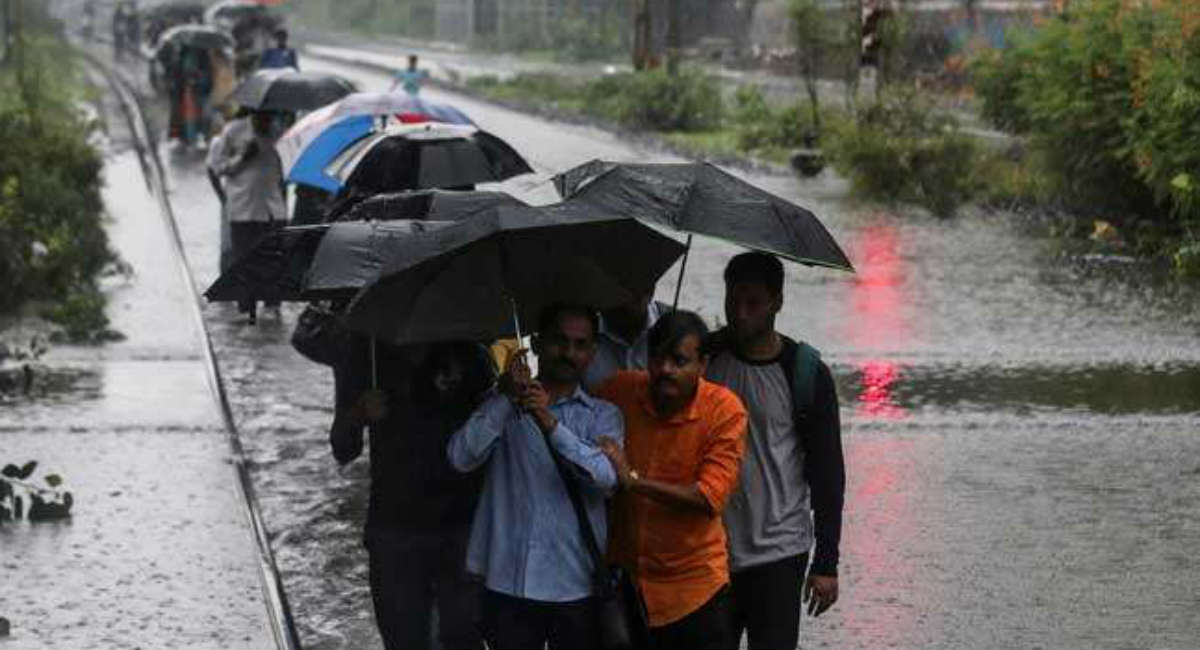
317	139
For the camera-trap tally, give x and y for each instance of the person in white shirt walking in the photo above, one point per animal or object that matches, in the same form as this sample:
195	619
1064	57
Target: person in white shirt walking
244	160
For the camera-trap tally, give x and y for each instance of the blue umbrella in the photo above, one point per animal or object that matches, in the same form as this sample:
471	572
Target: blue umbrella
313	142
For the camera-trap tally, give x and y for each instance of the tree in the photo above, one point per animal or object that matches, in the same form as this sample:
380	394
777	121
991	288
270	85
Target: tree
812	34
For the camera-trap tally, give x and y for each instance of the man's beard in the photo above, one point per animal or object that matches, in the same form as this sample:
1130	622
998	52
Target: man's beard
563	371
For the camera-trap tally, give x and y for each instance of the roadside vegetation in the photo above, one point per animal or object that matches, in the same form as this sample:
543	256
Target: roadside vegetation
53	247
1107	101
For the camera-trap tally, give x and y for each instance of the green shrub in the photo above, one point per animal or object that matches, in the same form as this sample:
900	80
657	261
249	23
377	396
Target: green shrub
760	126
688	101
1186	260
52	240
995	78
81	315
900	149
1110	95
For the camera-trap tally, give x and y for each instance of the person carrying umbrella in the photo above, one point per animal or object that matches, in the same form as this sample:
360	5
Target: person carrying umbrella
525	541
244	160
411	399
789	498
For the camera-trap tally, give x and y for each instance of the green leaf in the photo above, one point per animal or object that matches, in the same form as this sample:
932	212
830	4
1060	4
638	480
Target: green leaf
1182	182
27	470
11	471
54	480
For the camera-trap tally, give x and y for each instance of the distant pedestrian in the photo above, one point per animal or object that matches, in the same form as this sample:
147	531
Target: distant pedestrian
119	30
252	179
684	442
191	83
410	78
280	56
793	478
525	540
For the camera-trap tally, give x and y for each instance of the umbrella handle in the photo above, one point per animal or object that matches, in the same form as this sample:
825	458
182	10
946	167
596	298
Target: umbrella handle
682	268
374	366
516	321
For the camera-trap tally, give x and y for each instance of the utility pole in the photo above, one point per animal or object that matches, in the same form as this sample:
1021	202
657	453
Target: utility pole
642	34
674	37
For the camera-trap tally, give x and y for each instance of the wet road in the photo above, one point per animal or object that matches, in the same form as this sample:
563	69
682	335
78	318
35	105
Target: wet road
1021	432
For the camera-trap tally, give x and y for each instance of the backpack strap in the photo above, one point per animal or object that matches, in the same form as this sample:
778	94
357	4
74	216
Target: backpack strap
800	362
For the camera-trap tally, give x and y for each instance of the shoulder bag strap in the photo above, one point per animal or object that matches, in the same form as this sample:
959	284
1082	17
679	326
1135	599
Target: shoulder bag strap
585	523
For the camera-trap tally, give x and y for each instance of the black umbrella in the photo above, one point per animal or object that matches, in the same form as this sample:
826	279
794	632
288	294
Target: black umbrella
276	268
319	262
468	281
427	204
273	270
233	11
351	254
174	12
699	198
198	36
284	89
427	155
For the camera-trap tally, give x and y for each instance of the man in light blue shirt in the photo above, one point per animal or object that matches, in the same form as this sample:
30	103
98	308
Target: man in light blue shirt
525	538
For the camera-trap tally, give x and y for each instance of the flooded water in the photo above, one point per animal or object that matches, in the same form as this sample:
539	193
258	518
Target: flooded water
1022	436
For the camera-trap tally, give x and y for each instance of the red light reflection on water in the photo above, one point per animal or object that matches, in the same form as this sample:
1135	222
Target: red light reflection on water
876	399
877	319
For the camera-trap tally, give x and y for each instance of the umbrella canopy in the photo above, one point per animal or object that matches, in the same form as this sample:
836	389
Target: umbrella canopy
702	199
314	141
437	205
461	282
352	253
284	89
277	267
173	12
273	270
426	156
198	36
233	11
403	106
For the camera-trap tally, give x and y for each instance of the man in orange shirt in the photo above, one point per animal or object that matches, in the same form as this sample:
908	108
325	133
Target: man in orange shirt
684	440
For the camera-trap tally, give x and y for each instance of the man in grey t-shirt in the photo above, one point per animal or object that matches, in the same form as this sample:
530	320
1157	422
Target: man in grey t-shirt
792	482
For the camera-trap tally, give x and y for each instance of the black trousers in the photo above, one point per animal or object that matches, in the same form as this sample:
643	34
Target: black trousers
520	624
412	573
707	628
767	603
243	236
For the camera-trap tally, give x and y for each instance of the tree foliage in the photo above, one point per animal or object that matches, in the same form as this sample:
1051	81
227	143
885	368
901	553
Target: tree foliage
52	240
1111	93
